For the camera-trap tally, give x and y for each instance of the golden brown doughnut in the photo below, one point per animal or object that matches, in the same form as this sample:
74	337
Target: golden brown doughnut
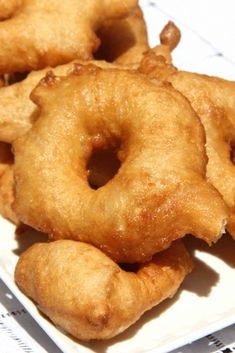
159	193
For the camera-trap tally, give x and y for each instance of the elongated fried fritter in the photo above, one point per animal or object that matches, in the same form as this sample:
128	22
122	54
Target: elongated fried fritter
83	291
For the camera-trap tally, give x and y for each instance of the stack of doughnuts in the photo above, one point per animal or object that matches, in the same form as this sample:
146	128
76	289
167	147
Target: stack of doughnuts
113	153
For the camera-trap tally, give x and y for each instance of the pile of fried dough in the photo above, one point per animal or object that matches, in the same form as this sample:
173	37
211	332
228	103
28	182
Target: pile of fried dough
112	152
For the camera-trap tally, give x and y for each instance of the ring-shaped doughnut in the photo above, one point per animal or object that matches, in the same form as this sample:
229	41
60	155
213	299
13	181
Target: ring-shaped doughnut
159	193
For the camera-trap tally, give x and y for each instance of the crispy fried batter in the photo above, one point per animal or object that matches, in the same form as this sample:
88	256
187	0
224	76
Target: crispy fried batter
18	112
155	64
144	207
83	291
40	33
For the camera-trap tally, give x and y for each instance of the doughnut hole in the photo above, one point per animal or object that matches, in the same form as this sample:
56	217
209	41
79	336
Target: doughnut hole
118	32
123	40
102	166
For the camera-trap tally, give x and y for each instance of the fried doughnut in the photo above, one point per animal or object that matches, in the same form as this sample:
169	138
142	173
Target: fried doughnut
159	193
89	296
18	112
38	33
213	100
123	41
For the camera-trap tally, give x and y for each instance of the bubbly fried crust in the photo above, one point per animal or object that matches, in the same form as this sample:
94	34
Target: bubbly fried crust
18	112
156	64
83	291
123	41
38	33
143	208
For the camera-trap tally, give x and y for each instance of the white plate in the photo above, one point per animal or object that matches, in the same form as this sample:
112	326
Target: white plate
204	304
